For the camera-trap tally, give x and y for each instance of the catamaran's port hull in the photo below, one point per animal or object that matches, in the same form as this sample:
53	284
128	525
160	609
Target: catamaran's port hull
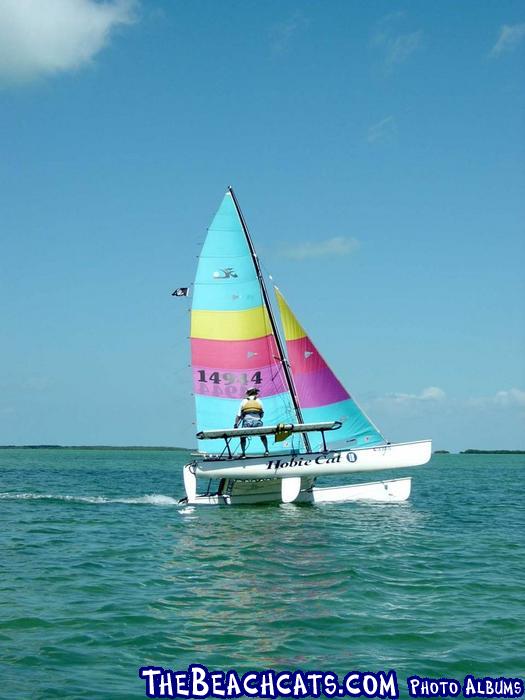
393	456
252	493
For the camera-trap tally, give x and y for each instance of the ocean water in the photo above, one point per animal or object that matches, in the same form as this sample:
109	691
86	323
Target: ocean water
101	572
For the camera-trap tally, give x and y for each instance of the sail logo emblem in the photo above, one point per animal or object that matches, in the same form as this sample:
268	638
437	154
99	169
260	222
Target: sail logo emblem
227	273
307	354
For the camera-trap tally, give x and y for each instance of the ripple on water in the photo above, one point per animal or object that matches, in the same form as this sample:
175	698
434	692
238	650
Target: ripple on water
101	573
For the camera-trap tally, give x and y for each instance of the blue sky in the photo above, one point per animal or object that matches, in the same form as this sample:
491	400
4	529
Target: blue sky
377	150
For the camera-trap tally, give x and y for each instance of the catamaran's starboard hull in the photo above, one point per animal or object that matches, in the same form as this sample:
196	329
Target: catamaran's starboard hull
392	456
269	491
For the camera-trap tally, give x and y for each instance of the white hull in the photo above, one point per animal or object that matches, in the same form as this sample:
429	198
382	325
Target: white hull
392	456
391	491
284	478
251	493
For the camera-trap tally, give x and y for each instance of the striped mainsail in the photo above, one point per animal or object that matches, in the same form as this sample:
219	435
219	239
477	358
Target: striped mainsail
321	395
232	343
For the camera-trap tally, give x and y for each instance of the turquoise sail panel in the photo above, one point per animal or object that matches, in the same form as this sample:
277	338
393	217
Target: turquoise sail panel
215	413
226	283
226	237
356	431
226	279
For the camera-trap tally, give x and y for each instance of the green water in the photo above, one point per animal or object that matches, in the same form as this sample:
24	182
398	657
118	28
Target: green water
102	573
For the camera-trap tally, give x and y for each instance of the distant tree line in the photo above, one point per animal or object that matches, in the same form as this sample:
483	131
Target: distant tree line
482	452
492	452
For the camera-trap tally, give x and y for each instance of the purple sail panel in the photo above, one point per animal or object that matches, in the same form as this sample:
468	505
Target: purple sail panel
315	382
319	388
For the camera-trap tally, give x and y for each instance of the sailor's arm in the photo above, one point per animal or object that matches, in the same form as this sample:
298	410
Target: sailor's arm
238	417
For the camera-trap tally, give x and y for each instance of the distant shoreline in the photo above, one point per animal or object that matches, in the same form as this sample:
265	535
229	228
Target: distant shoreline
93	447
189	449
481	452
492	452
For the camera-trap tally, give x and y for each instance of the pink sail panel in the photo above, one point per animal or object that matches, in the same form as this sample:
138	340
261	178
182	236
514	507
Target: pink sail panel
304	356
318	387
315	383
232	354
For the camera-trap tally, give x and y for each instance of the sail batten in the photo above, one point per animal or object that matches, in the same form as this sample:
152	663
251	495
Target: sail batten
320	393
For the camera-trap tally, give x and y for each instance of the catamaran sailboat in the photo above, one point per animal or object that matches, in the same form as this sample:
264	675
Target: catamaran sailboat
315	428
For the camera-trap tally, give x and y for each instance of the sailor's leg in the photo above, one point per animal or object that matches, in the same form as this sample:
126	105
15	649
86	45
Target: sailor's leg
243	446
264	441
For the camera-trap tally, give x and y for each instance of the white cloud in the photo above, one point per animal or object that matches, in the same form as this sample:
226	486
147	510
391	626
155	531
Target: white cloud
431	393
510	36
339	245
282	34
383	130
454	423
35	383
507	398
397	47
512	397
42	37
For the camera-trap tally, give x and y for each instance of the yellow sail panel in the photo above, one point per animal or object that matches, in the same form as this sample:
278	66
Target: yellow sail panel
230	325
292	328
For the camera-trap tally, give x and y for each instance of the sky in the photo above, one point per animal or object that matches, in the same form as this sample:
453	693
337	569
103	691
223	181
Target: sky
377	150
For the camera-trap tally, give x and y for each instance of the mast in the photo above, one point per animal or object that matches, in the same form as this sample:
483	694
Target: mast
280	347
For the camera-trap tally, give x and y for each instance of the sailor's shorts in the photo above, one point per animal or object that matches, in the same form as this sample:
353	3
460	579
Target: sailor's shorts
251	420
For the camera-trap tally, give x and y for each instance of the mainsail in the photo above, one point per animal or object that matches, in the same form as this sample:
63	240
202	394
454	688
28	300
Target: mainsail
233	346
321	395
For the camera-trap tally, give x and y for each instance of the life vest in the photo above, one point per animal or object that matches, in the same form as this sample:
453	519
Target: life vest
252	406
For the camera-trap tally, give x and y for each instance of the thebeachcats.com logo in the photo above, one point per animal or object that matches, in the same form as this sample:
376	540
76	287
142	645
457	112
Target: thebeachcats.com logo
198	682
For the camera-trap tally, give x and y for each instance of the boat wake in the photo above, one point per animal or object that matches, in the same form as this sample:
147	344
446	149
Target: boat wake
153	499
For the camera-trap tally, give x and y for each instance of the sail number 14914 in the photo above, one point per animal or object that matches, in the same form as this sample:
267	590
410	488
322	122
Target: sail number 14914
228	377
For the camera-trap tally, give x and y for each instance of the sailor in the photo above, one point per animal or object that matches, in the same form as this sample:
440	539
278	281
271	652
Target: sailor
250	415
